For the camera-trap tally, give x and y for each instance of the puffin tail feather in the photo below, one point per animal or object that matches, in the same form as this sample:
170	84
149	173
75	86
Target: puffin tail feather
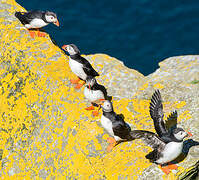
153	155
96	73
20	16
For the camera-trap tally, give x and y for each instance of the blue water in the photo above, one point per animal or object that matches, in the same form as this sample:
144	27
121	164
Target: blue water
141	33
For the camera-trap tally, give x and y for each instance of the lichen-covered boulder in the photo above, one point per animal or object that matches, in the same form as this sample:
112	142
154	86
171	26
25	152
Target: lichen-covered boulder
191	173
45	131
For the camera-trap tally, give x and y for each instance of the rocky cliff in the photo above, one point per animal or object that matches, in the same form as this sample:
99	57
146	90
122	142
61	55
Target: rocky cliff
46	133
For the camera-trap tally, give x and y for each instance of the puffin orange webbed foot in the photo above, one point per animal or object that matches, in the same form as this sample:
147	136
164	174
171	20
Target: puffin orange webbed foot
41	34
112	143
32	34
78	86
172	166
165	169
90	108
95	113
74	81
110	147
111	140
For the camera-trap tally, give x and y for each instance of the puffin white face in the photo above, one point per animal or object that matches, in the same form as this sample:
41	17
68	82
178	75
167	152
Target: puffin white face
107	106
180	134
51	18
71	49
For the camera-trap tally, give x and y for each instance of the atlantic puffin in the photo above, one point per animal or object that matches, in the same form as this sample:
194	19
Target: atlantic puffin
79	65
167	144
37	19
95	93
115	125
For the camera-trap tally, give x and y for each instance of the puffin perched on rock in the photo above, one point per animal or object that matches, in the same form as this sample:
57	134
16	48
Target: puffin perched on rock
167	144
79	65
95	93
114	125
37	19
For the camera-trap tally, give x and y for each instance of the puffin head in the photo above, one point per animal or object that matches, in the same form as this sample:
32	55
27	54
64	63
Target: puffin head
71	49
51	18
180	134
107	106
90	82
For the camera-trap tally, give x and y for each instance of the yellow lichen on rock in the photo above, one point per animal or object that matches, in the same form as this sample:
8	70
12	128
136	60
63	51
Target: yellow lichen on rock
46	132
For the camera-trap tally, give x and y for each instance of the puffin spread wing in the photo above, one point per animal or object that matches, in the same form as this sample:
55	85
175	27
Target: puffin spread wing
156	112
149	138
171	121
88	69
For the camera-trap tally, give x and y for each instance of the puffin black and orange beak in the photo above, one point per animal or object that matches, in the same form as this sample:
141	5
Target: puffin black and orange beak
89	86
56	23
189	134
101	101
64	47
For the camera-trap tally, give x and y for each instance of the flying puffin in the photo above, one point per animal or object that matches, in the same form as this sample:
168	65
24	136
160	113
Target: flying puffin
79	65
115	125
37	19
95	93
167	144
